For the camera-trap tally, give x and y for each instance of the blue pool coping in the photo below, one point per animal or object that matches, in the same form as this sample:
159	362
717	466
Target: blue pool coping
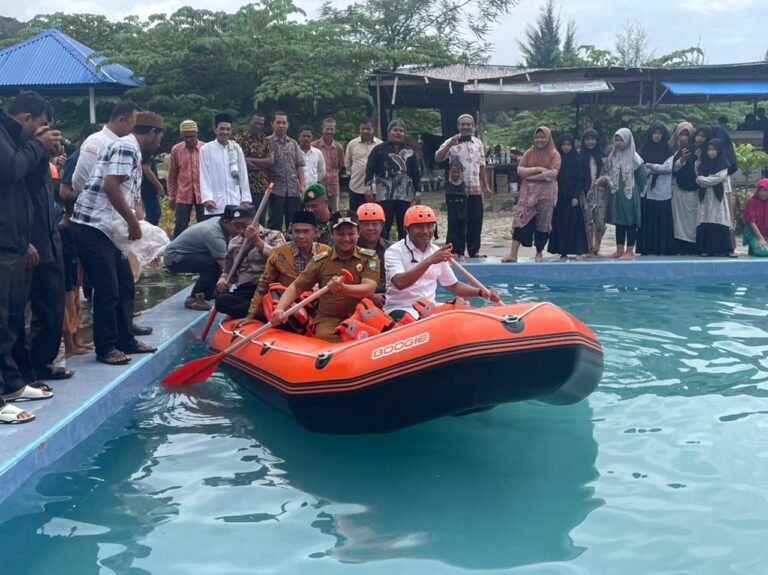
98	391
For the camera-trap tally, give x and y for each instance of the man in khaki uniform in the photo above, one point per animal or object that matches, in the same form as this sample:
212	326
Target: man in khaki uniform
338	303
288	261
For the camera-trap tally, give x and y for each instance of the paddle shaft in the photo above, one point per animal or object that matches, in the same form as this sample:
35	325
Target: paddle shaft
289	312
472	279
238	259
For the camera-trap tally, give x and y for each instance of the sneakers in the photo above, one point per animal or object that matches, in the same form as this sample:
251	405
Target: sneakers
197	302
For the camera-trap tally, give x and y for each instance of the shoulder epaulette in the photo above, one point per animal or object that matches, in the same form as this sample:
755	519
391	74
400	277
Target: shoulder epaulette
367	252
321	255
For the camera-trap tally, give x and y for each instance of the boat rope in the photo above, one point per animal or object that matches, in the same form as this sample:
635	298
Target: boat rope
470	311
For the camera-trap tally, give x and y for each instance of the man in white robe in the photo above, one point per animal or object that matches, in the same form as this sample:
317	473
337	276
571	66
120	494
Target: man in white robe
223	171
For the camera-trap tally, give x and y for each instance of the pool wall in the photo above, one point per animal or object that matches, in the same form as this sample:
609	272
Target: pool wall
99	391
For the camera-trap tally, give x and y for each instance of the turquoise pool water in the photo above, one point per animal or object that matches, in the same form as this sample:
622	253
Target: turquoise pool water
663	471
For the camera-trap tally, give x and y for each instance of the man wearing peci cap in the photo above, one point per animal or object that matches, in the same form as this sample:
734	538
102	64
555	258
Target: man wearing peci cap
315	200
202	249
223	171
288	261
184	178
259	245
338	303
114	190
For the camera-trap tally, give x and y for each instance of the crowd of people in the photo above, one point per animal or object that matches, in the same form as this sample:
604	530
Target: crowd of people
270	228
670	196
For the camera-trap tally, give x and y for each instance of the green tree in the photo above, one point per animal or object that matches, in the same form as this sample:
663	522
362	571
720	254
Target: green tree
632	45
541	48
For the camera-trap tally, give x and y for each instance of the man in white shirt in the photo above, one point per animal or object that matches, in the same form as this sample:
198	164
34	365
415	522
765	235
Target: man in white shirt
355	160
120	125
470	151
314	162
415	265
223	171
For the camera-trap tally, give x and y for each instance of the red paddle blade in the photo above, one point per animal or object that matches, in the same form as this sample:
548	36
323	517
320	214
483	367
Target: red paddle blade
195	371
208	324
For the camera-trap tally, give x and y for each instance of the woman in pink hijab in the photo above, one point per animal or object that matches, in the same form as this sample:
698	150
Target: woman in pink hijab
756	221
532	218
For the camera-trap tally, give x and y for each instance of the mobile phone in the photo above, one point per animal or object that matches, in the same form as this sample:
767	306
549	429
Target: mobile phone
465	138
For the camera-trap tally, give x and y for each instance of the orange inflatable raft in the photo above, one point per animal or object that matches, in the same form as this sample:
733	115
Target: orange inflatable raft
451	363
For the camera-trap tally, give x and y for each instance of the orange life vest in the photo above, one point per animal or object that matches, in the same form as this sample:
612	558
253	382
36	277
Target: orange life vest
302	322
426	308
367	321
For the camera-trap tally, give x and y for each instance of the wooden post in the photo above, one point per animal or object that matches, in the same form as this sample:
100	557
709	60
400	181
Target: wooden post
378	105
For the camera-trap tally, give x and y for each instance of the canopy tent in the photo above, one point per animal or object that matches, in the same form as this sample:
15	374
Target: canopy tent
53	63
460	89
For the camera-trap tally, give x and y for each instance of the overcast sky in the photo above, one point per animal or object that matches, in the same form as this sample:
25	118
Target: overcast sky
727	30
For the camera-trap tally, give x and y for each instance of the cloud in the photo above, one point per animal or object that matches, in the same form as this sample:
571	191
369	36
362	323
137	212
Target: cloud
708	8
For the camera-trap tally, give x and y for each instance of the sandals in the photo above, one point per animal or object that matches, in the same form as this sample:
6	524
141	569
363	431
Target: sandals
36	391
114	357
56	373
9	414
139	347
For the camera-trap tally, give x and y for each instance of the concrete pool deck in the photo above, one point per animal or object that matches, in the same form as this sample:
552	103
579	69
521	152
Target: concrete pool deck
99	391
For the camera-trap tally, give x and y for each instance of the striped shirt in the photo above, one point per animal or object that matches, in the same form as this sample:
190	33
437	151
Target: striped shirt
93	207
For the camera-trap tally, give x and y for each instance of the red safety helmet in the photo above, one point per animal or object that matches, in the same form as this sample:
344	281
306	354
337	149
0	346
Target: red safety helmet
371	212
419	215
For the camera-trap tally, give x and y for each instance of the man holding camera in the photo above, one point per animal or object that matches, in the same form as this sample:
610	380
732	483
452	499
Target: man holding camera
470	152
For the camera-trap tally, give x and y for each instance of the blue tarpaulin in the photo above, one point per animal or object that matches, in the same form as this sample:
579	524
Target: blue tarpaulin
718	88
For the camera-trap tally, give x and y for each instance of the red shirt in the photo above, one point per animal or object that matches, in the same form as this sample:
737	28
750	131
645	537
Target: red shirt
184	174
333	155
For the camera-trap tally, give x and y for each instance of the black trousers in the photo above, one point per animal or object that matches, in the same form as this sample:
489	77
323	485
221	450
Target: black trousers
626	233
237	302
12	299
355	200
528	235
203	264
256	199
184	215
474	224
45	294
109	272
394	212
281	210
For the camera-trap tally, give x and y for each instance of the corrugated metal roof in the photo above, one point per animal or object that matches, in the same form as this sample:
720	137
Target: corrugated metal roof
459	72
53	59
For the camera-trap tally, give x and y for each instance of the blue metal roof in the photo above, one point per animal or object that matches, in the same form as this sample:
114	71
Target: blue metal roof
718	87
53	60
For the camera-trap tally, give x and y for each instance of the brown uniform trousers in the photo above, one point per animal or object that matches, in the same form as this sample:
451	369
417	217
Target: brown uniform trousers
333	309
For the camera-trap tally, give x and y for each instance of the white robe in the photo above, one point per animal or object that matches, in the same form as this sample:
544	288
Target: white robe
216	180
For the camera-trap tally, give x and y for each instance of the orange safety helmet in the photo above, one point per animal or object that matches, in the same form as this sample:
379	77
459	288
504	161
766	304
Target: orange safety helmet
419	215
54	171
371	212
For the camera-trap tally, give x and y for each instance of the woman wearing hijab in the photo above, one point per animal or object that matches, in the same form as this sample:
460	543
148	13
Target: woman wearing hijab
569	235
594	197
532	219
713	221
657	236
685	198
729	151
626	176
756	221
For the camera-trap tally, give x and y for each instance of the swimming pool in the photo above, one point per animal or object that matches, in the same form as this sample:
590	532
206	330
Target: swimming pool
663	470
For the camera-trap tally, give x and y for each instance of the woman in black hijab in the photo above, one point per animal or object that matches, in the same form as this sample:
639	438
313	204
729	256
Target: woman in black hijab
729	151
713	220
656	235
594	198
685	199
569	234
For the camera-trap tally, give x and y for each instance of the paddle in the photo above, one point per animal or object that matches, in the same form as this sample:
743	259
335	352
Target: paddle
238	259
198	370
472	279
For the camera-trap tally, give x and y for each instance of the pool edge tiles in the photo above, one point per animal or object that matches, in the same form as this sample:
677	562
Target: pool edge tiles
94	394
642	271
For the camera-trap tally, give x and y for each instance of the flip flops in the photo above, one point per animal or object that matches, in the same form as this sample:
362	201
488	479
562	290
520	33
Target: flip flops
114	357
9	414
32	392
56	373
139	347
